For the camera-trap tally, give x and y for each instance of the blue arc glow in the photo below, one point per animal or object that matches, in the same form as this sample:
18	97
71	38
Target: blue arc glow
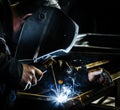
63	95
67	84
61	98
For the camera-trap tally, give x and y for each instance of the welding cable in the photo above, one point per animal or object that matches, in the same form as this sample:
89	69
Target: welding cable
39	77
28	85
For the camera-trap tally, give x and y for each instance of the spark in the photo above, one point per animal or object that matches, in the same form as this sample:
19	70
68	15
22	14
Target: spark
63	91
63	95
61	98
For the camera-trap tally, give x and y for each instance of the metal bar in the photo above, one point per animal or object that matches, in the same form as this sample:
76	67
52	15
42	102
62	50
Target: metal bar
94	64
34	95
115	76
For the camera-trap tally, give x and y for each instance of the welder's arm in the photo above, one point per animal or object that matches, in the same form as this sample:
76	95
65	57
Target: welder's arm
15	74
12	72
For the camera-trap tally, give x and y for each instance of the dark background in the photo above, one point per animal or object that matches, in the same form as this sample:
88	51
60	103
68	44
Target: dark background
93	17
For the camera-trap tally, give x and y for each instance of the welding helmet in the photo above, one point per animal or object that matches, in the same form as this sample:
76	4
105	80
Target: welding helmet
47	32
34	4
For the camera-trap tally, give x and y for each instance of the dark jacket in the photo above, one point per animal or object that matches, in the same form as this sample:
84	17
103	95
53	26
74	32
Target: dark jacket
10	68
10	75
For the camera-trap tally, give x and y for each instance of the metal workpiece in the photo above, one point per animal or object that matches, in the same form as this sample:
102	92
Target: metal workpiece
63	91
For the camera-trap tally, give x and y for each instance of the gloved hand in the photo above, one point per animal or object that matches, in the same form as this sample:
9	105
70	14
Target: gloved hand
28	78
99	75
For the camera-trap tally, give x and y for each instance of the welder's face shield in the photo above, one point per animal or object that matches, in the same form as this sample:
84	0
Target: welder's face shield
47	32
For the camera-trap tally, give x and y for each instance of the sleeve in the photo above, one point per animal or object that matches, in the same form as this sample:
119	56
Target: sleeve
10	68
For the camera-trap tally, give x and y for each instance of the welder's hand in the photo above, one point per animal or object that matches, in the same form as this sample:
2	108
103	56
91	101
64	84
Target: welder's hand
29	76
94	73
99	75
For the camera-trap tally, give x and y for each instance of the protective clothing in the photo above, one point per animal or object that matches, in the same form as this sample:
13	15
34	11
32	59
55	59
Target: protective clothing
9	78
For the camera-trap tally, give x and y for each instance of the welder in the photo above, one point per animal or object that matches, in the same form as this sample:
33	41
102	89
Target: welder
13	74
